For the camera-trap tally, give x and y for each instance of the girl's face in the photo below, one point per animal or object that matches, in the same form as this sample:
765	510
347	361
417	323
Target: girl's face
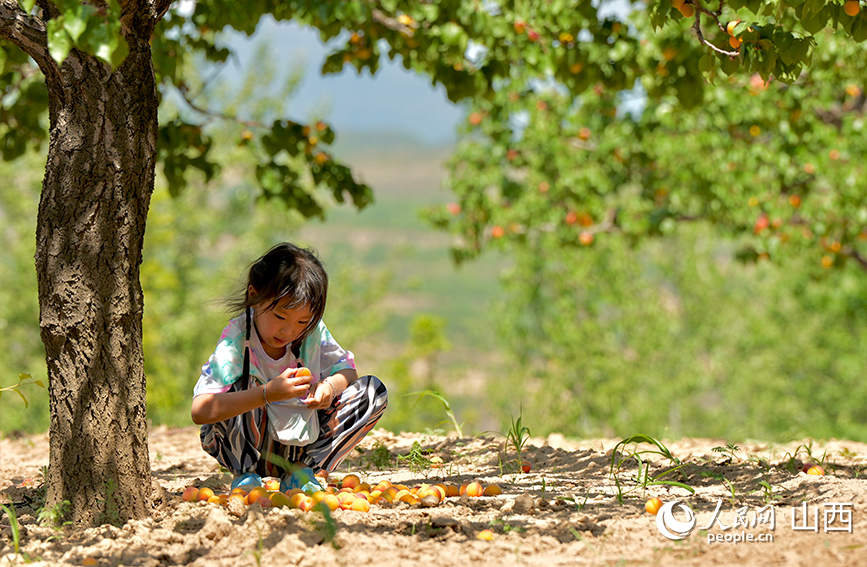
279	326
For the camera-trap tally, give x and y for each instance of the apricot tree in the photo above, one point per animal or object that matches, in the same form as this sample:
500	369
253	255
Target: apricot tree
99	70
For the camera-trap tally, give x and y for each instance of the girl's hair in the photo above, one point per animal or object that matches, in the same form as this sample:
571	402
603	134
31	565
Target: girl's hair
288	276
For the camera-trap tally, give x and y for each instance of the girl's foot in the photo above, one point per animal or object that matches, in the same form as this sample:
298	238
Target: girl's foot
302	478
247	480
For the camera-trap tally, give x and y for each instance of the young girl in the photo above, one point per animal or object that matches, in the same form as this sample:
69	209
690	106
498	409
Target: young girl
262	412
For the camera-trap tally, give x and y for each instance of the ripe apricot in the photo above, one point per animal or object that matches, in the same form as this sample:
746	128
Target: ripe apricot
676	4
279	499
360	505
272	484
331	502
191	494
264	502
303	371
585	238
453	490
403	496
382	485
730	27
296	499
486	535
350	481
852	7
345	499
735	42
816	470
255	494
363	487
492	490
475	489
653	505
307	503
687	10
204	494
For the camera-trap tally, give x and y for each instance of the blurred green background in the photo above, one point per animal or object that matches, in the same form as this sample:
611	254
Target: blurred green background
671	338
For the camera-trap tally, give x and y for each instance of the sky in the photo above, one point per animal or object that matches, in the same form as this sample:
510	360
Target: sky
394	100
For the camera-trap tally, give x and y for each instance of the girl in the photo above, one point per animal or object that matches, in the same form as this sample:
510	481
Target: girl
262	412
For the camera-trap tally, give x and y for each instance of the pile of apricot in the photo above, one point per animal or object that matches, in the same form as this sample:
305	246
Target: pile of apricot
350	493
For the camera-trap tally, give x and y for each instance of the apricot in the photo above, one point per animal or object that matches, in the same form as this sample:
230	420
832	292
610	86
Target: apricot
191	494
350	481
441	489
436	462
296	499
390	493
319	496
403	496
653	505
382	485
360	505
303	371
204	494
492	490
463	488
475	489
272	484
426	491
453	490
852	7
279	499
264	502
816	470
730	27
345	499
486	535
330	501
240	497
255	494
238	490
687	10
307	503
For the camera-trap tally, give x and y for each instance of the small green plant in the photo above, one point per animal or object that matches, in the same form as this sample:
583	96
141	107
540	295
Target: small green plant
619	458
506	526
110	505
446	405
23	380
417	460
517	436
768	496
379	456
55	517
13	522
730	449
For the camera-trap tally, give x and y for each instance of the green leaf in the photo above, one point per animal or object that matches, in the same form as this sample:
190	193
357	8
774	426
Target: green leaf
729	66
17	391
59	43
27	5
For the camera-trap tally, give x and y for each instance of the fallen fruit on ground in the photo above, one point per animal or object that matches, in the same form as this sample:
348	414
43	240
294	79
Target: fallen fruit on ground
255	494
191	493
816	470
279	499
204	494
350	481
486	535
525	466
475	489
653	505
492	490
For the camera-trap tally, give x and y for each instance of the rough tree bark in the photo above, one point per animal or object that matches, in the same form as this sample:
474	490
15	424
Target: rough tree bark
90	231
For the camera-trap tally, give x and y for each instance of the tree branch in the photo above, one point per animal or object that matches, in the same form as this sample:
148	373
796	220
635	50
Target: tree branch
697	28
29	34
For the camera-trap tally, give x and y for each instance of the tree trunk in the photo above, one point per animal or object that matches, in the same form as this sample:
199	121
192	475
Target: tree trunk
90	230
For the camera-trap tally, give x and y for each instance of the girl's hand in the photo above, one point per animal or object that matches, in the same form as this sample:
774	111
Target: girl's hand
293	383
321	395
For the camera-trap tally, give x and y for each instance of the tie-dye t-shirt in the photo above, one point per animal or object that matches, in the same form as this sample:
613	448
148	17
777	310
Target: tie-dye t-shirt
319	352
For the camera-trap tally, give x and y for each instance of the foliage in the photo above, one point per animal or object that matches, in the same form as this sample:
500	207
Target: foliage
676	338
13	523
620	456
23	380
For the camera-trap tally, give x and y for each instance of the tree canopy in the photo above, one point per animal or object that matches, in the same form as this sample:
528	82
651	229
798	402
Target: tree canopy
752	118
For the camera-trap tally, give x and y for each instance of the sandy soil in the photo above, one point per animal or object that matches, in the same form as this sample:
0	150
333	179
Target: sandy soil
565	511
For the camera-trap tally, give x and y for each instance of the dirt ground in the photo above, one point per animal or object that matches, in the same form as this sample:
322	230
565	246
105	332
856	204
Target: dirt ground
566	511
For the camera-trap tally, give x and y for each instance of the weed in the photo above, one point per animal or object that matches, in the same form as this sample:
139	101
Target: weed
729	449
578	505
446	405
416	459
13	522
517	437
110	505
379	456
506	526
768	496
55	517
643	479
